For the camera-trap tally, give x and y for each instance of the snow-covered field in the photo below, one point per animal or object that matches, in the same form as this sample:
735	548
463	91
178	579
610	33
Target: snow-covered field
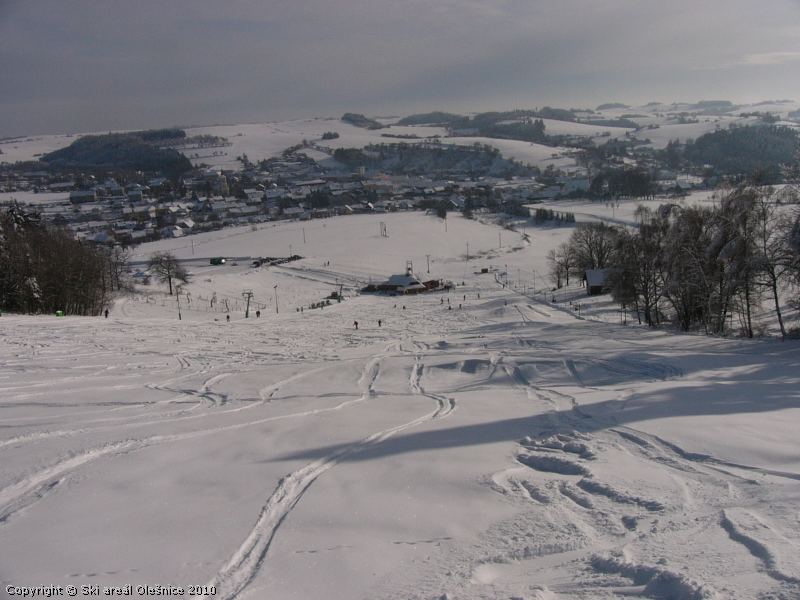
265	140
670	130
35	198
31	147
623	211
504	448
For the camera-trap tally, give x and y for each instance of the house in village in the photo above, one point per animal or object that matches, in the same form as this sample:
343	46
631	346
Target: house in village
81	196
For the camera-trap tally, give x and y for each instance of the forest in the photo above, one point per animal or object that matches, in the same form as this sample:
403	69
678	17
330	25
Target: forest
46	270
124	151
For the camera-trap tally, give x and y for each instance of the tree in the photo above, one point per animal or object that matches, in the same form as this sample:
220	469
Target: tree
739	215
773	252
685	281
792	242
549	176
562	264
469	204
592	245
118	258
637	277
166	267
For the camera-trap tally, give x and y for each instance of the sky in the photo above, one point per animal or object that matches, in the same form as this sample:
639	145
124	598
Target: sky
94	65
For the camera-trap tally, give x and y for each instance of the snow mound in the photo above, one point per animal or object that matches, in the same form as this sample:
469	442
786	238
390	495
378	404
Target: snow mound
658	583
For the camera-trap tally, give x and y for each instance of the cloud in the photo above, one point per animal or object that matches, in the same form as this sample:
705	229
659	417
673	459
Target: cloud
84	65
770	58
761	59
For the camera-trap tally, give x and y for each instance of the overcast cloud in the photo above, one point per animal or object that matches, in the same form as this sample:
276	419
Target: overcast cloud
93	65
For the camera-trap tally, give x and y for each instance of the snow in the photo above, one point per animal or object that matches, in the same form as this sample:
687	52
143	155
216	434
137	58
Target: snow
671	130
37	198
509	448
266	140
623	211
31	147
270	139
531	153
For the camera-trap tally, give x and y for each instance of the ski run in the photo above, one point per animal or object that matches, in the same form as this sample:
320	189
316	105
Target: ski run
484	442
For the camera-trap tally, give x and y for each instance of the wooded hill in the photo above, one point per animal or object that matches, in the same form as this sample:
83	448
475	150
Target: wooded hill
409	159
122	151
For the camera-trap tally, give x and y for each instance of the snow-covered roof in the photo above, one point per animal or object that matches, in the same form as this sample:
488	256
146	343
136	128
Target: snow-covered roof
406	281
596	277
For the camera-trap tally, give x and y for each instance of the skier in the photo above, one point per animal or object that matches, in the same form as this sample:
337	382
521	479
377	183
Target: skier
355	324
106	313
379	322
258	314
228	318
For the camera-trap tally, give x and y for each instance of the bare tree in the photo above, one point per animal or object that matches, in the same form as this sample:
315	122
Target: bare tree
792	243
739	218
637	277
773	253
166	267
562	264
118	258
592	245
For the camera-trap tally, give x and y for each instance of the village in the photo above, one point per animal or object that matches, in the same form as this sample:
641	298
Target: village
133	208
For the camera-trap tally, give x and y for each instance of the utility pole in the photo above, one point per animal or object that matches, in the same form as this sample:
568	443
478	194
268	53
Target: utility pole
428	257
304	235
247	295
499	239
467	251
275	287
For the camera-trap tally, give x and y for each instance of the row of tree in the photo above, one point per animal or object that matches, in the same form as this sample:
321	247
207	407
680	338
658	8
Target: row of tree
542	215
698	266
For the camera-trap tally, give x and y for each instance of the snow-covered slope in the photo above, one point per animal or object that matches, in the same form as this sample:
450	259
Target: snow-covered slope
476	444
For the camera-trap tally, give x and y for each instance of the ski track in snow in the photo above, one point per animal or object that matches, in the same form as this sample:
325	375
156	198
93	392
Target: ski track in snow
778	554
248	559
29	489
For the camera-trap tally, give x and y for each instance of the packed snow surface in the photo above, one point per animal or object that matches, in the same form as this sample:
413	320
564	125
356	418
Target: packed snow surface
479	443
